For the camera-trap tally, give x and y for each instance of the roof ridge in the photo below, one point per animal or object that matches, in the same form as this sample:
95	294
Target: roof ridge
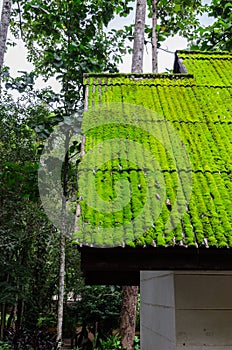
204	53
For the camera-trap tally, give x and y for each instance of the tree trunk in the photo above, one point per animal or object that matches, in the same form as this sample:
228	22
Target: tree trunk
11	317
3	313
130	293
154	38
61	290
60	311
138	47
128	316
3	319
19	315
5	20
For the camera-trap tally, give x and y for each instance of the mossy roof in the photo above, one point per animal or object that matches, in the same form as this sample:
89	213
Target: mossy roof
194	108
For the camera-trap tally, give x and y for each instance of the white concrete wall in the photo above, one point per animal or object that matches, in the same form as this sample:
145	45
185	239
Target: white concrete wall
186	311
203	311
157	317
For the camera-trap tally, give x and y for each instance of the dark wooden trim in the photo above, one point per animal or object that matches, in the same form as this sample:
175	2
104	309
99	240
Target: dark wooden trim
123	265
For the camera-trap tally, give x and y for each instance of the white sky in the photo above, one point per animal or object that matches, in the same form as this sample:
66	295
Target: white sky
16	59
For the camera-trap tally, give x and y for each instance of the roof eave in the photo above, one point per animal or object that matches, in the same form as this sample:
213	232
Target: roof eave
123	265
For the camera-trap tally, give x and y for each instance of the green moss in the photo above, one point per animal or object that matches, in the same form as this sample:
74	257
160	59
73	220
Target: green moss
199	108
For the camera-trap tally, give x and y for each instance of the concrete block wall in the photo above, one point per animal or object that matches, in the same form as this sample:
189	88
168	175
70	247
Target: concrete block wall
203	311
157	315
186	311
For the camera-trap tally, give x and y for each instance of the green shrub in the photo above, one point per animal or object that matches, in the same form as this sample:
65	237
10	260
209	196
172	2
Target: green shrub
111	343
4	346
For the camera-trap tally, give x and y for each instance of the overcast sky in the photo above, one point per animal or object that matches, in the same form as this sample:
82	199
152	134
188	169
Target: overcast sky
16	59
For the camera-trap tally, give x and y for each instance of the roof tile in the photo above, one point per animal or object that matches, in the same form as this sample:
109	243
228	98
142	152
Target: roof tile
198	107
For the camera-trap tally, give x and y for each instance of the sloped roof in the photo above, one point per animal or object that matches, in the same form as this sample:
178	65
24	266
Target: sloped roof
197	106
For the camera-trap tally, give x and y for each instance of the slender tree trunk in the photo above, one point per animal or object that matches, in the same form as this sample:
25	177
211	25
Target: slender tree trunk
61	290
3	313
3	319
11	317
154	38
60	311
128	316
130	293
138	47
4	24
19	314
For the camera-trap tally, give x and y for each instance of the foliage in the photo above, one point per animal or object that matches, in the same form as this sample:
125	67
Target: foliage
100	304
112	342
4	346
173	17
19	208
137	343
29	243
218	35
176	17
184	18
71	41
29	340
67	38
57	48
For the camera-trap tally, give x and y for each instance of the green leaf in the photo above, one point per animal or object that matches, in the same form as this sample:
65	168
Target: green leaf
177	8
